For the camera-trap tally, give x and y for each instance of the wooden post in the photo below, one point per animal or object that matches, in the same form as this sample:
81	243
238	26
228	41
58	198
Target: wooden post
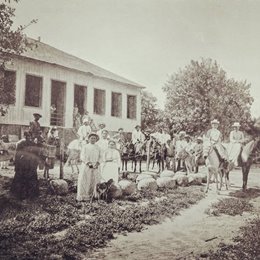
61	159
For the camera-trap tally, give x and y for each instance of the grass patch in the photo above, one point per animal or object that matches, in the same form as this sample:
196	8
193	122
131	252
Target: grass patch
246	245
230	206
29	230
248	194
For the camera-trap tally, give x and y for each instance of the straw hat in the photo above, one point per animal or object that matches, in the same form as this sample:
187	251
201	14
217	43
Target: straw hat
215	121
93	134
85	120
236	124
37	114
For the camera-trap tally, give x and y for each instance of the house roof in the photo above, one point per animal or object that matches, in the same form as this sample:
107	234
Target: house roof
46	53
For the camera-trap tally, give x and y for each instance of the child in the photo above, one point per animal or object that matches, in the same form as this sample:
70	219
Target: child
3	152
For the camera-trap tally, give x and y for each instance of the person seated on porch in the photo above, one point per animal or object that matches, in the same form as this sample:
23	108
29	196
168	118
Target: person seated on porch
84	131
111	163
236	138
35	129
137	135
215	138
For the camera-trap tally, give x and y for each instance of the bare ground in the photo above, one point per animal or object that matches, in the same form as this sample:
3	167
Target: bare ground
188	236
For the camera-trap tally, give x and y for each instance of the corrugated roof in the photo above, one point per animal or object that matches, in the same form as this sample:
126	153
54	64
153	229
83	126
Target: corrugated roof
46	53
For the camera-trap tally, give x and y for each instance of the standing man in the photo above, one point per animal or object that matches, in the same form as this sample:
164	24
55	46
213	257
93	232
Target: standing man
119	138
84	131
137	135
215	138
236	138
35	129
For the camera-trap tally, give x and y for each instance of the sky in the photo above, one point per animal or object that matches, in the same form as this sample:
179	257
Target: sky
148	40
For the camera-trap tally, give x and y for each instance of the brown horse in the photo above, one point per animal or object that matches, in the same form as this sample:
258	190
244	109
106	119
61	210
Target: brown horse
246	158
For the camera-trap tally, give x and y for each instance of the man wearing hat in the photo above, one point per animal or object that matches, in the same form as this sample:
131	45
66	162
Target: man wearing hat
119	137
137	135
35	128
181	144
84	131
215	138
236	138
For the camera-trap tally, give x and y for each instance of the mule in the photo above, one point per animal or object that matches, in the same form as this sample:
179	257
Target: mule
214	165
246	158
136	153
158	155
187	158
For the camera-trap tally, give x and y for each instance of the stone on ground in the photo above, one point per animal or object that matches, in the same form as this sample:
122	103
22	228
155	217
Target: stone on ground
194	179
203	176
127	187
147	184
181	180
166	182
153	174
115	191
59	187
167	173
142	177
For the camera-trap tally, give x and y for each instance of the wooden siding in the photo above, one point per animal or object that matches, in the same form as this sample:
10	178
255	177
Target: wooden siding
19	114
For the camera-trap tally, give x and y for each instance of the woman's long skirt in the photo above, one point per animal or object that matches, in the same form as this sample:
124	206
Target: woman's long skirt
87	182
110	171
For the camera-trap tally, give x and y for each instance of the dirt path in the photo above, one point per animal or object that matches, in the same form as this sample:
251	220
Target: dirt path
185	236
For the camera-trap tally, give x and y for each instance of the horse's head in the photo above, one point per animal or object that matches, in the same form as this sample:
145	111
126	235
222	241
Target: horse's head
207	146
181	154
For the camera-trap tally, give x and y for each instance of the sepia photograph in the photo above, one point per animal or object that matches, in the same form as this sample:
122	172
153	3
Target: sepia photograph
129	130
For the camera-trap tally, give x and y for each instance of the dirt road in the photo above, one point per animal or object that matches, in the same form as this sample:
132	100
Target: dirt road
185	236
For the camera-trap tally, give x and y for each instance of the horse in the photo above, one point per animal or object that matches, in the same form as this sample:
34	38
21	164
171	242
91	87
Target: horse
73	153
158	155
136	153
246	158
214	165
187	158
124	152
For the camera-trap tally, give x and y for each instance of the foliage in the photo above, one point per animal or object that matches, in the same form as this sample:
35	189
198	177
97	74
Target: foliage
150	114
53	226
12	42
246	245
201	92
231	206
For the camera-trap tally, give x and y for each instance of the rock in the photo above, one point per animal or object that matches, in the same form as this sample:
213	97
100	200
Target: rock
181	180
167	173
147	184
166	182
152	174
194	179
143	176
127	187
115	192
59	187
203	176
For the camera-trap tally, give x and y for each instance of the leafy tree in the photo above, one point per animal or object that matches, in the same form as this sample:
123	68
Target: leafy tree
150	114
12	42
201	92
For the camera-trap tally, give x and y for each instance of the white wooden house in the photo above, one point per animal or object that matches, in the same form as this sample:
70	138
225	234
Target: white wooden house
45	75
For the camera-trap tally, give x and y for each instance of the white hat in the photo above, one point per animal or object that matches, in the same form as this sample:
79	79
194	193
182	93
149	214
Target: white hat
215	121
199	138
236	124
85	120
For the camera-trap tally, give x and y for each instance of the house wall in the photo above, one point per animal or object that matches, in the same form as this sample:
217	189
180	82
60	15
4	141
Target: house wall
19	114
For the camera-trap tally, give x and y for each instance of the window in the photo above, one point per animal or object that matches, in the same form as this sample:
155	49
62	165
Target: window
33	91
80	98
116	104
8	87
131	107
99	101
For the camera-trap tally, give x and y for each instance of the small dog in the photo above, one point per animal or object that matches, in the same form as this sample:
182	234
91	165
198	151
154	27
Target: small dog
103	190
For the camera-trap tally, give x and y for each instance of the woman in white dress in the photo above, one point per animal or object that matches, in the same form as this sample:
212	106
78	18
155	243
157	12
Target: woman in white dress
236	140
89	175
111	163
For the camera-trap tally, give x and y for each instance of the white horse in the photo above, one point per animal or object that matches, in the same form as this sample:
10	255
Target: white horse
73	152
214	165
